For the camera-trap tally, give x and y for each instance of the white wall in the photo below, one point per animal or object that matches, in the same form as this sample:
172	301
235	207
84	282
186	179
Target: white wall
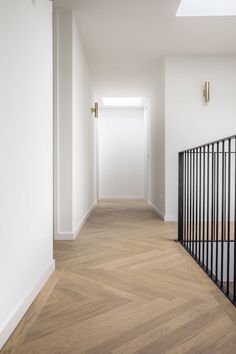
121	146
26	188
156	124
63	36
75	176
188	120
84	148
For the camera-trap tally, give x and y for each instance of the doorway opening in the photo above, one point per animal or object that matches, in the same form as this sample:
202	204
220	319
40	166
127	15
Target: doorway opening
122	149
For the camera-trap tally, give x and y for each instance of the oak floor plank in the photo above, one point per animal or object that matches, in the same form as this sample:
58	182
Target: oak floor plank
125	287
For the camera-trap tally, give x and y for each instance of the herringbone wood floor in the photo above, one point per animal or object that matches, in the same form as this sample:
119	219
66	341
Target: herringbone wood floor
124	286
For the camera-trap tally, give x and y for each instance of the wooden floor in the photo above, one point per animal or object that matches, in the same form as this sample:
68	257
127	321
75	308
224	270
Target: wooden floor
124	286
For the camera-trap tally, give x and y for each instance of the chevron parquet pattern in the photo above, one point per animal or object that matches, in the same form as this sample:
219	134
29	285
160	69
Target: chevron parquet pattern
125	287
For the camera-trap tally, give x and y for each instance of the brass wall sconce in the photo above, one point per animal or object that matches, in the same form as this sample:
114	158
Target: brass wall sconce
206	91
95	109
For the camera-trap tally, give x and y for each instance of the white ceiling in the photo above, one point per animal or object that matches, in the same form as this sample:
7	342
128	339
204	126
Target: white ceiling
124	39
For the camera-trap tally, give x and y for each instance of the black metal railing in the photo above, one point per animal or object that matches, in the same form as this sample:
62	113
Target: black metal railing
207	210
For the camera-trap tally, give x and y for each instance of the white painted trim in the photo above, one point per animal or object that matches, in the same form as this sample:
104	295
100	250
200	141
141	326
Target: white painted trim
85	218
166	218
146	152
19	312
70	236
56	129
156	210
171	218
122	198
97	154
64	236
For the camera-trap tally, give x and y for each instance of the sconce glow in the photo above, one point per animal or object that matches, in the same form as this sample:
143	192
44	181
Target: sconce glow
207	8
122	101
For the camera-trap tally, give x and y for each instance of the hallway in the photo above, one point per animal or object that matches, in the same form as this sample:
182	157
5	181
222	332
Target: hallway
124	286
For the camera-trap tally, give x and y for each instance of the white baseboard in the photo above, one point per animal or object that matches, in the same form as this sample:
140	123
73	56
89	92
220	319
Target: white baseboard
156	210
169	218
17	315
70	236
163	217
122	198
85	218
64	236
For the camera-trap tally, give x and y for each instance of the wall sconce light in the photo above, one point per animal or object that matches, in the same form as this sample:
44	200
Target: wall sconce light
206	91
95	109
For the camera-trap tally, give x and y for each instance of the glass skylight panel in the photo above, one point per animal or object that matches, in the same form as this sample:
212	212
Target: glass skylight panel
122	101
207	8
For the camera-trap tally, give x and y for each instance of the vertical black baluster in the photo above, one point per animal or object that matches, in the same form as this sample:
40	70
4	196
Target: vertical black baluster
184	196
190	203
187	210
203	206
197	205
212	205
222	212
180	198
194	179
208	205
200	206
190	198
184	200
217	210
229	201
234	285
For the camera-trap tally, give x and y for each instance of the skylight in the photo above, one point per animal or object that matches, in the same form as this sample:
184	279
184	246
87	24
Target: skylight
207	8
122	101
